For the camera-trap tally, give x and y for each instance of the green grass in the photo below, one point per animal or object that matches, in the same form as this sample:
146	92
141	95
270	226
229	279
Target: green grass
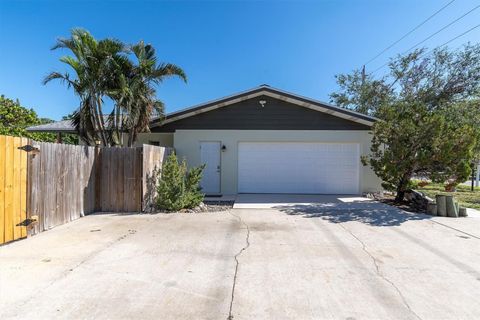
464	196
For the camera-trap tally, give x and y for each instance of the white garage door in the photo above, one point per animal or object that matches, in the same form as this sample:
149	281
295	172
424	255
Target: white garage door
309	168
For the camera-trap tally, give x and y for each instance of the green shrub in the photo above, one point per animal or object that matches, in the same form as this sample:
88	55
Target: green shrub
179	188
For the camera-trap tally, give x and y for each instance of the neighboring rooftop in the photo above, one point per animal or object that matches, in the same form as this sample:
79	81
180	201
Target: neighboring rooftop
64	126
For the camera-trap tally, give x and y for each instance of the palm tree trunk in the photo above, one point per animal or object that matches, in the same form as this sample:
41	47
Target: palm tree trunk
130	138
96	122
118	128
98	104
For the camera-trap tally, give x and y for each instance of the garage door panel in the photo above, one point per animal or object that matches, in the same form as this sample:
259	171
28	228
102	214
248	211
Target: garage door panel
266	167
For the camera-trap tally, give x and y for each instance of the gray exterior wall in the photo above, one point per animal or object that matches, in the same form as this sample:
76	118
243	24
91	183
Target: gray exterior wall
249	115
187	145
163	139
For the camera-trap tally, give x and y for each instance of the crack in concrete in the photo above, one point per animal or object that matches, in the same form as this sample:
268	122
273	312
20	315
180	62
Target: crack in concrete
237	263
379	272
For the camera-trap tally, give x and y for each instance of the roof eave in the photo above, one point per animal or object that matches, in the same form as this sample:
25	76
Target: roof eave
50	130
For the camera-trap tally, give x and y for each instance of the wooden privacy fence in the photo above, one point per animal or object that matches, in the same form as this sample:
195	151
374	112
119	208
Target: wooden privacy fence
61	184
13	188
66	182
127	177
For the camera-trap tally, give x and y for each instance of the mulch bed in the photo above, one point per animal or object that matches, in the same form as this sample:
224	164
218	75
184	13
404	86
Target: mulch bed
207	206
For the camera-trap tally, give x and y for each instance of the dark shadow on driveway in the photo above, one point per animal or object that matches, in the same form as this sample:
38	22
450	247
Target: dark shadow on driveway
371	213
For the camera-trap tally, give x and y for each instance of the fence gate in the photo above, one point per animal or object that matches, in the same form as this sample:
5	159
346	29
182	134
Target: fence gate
13	188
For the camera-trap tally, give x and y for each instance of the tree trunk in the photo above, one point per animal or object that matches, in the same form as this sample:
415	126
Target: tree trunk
402	187
400	195
131	137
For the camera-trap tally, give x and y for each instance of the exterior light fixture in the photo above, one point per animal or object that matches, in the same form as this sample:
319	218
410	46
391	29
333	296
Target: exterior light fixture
224	148
262	103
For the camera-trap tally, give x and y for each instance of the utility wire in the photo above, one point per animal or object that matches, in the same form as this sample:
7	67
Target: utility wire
444	44
453	39
434	34
445	27
409	33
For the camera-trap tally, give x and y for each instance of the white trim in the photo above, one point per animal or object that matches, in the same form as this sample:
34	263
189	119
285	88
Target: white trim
281	95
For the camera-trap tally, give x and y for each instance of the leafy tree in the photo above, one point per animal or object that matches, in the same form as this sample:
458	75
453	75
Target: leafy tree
178	188
14	119
439	79
425	112
410	140
361	93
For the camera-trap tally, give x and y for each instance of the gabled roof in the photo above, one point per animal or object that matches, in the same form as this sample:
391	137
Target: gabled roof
66	126
271	92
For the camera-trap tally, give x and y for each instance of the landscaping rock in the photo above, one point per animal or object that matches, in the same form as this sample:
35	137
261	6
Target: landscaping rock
206	206
374	195
418	200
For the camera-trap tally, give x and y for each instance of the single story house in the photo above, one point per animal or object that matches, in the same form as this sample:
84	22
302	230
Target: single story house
266	140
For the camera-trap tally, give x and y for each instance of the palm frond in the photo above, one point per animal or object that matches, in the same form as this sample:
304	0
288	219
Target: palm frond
64	78
167	70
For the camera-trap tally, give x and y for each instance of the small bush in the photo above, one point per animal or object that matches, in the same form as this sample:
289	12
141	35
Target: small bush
179	188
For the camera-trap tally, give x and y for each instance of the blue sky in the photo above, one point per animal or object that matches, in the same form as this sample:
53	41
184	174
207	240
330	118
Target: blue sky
224	46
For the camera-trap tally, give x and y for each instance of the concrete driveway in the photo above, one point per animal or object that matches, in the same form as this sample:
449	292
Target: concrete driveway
354	260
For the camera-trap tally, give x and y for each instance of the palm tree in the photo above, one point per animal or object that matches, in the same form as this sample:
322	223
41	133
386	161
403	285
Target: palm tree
137	97
103	69
96	65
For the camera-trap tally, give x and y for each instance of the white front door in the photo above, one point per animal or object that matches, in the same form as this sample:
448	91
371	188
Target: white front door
296	167
210	156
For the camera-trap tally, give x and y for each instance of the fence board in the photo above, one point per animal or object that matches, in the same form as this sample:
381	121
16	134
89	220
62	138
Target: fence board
9	189
2	188
13	171
23	187
153	159
16	143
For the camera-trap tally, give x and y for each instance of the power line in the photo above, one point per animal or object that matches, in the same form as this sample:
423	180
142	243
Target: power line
444	44
432	35
409	33
453	39
445	27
